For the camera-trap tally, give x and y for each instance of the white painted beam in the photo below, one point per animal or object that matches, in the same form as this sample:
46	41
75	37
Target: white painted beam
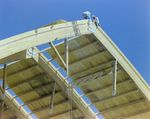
39	36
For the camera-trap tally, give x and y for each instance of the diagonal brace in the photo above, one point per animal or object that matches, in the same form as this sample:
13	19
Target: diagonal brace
59	56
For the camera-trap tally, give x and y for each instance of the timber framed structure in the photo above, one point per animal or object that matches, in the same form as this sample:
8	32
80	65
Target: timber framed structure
90	58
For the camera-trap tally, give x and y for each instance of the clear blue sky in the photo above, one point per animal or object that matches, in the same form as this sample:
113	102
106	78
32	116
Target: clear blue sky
127	22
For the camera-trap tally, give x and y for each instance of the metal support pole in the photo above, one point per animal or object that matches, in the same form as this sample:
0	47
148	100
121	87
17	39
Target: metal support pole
4	82
52	96
66	53
114	78
4	87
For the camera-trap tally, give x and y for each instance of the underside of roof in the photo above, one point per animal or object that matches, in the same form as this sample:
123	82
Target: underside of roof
95	65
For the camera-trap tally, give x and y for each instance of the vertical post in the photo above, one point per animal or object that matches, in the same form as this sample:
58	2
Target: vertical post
52	96
114	78
4	88
66	53
4	82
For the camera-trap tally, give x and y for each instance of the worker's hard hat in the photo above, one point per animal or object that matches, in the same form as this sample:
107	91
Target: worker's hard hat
93	16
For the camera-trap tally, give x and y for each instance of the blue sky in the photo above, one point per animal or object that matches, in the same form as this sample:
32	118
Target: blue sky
125	21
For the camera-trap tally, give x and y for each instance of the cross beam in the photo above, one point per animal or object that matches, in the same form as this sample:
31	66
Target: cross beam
22	82
121	106
20	71
31	90
38	110
95	91
113	97
100	65
65	112
40	98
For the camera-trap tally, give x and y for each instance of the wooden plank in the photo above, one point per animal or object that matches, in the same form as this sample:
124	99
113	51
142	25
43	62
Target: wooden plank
95	91
74	109
44	108
113	97
51	70
134	114
100	65
12	86
93	55
123	61
18	56
84	46
40	98
20	71
39	36
121	106
31	90
55	22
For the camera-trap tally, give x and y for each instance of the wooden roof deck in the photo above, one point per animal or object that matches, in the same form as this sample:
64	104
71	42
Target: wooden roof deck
91	60
88	57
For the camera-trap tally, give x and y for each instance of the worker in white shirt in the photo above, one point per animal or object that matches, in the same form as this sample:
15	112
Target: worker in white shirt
87	15
96	21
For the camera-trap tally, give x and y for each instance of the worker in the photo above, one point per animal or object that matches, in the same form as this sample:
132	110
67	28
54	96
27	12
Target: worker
96	21
87	15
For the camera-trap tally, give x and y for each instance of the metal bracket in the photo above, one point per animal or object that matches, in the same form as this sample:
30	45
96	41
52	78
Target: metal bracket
92	28
76	28
31	53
